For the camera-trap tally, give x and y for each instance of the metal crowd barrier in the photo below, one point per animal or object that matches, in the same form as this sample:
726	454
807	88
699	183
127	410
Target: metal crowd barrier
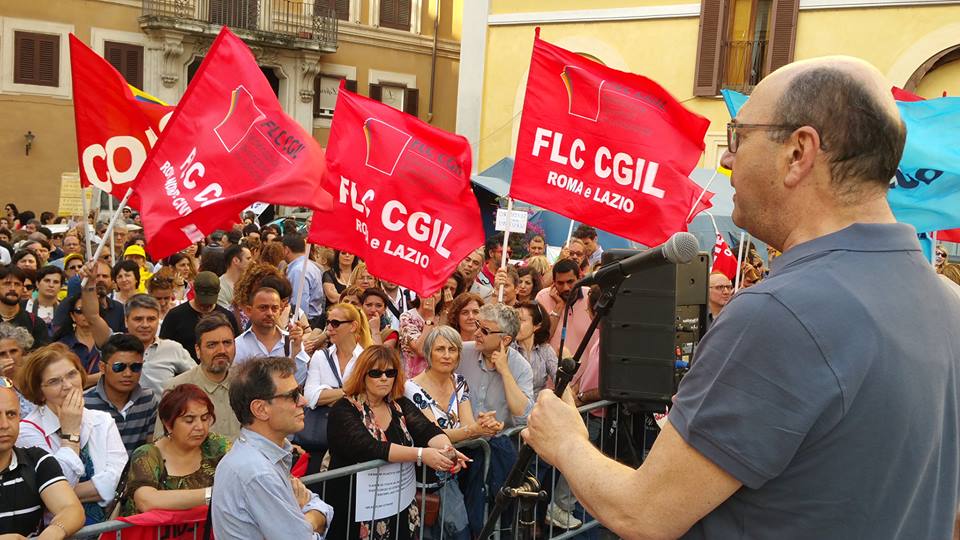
556	533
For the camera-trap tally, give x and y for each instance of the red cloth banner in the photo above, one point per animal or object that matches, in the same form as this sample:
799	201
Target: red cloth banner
229	144
166	524
402	194
116	127
607	148
723	259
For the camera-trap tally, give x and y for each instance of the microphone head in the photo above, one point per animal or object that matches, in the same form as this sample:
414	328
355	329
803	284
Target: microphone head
681	248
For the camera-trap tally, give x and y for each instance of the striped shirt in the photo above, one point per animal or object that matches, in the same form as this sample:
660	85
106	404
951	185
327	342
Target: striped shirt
21	509
134	421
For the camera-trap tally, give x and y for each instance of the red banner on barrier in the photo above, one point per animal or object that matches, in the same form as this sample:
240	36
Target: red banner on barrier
165	524
228	145
116	126
403	200
607	148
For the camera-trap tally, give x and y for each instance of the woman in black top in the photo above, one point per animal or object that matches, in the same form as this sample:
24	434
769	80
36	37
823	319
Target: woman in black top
374	421
336	279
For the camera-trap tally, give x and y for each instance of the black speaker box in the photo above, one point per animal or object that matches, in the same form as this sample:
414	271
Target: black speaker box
657	318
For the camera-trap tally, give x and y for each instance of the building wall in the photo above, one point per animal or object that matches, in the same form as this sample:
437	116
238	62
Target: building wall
658	39
32	182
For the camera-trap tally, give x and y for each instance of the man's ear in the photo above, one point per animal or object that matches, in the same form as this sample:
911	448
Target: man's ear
258	408
803	146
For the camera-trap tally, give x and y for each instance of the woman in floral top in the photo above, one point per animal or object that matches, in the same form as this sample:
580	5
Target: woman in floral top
176	472
414	324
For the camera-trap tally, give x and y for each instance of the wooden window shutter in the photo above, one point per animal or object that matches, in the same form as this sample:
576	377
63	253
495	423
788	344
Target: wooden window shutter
343	9
395	14
351	86
783	34
127	59
36	59
411	101
376	92
706	79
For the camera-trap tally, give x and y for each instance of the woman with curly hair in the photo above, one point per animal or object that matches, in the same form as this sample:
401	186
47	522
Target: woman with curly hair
272	253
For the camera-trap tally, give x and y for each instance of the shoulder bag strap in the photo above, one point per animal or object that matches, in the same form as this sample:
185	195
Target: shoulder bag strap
333	366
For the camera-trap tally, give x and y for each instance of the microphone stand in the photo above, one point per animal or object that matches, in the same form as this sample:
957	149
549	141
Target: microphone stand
520	485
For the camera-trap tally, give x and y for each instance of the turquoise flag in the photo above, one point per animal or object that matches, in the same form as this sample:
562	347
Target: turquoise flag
926	190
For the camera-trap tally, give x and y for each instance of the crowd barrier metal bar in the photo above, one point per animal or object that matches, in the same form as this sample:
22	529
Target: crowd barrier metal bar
93	531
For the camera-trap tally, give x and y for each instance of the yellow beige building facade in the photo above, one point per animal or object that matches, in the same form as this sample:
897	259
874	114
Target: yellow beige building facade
694	49
402	52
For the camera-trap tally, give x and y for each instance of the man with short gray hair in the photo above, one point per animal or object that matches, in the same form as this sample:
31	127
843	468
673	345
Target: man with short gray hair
163	359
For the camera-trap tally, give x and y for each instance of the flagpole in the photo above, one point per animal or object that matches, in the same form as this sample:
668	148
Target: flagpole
84	220
702	193
113	245
302	279
506	242
933	252
736	284
113	222
569	233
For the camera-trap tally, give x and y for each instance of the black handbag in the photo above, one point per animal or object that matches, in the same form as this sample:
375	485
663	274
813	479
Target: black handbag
313	436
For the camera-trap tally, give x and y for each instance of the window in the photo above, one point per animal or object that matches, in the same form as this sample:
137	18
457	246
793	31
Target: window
235	13
395	14
127	59
36	59
741	41
325	90
341	8
397	96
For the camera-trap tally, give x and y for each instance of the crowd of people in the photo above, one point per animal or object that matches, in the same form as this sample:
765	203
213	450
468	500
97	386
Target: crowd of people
201	378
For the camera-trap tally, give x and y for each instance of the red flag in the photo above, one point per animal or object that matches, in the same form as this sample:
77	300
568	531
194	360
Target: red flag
723	259
952	235
900	94
115	127
607	148
228	145
169	524
404	204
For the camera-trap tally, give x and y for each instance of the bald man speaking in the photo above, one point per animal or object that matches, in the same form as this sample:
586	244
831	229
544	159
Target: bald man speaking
823	403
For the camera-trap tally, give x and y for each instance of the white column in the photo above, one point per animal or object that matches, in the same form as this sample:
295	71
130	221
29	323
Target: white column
473	45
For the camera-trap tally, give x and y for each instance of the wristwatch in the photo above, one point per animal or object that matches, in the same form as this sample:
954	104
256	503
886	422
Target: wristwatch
70	437
419	457
207	495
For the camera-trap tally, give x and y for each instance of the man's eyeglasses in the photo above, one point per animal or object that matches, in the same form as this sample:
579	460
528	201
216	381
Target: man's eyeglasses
334	323
377	373
293	395
722	288
486	331
120	367
733	141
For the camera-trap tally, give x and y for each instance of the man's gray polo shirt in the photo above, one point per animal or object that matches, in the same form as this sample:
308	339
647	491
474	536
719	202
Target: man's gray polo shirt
830	391
487	392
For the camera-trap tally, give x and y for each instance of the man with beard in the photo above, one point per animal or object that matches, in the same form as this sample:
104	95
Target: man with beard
11	287
216	349
111	311
118	392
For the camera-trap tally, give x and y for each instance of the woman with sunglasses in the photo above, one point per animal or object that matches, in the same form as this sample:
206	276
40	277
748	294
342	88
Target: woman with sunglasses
533	342
414	323
85	442
176	472
77	334
375	421
348	334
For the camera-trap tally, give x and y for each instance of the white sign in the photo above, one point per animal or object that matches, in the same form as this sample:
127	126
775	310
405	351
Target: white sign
257	208
517	220
390	487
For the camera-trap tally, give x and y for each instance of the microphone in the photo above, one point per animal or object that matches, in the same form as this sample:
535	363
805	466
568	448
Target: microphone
681	248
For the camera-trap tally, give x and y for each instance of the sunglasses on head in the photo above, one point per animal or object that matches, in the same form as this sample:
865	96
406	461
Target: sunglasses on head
377	373
336	324
120	367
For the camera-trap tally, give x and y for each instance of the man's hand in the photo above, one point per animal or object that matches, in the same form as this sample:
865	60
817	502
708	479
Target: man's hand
554	426
300	491
499	359
296	337
558	301
317	519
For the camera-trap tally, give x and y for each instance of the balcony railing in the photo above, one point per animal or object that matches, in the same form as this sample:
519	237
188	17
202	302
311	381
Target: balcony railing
299	22
743	64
